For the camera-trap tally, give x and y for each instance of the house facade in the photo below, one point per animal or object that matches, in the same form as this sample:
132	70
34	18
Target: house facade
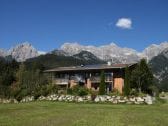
89	76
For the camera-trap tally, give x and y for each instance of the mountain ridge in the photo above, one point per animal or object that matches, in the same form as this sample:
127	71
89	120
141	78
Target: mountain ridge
110	52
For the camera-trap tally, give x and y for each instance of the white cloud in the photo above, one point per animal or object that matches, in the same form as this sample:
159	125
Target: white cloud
124	23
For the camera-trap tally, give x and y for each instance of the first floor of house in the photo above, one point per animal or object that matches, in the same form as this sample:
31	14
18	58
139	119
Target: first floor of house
114	79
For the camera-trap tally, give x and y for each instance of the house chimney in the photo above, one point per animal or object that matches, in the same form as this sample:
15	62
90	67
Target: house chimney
109	63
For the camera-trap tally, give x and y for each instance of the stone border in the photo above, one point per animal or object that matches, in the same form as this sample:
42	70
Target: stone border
98	99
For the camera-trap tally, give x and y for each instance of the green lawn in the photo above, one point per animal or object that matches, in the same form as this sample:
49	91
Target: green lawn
73	114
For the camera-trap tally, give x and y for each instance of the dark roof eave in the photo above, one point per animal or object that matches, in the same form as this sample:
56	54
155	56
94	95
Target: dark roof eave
63	69
82	69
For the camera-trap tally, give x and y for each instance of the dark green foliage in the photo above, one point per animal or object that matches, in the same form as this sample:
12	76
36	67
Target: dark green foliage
154	90
70	91
133	92
88	58
159	65
142	77
52	60
78	90
126	88
7	76
102	86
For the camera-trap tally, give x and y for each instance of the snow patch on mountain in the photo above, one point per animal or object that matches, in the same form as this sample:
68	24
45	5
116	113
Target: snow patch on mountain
41	52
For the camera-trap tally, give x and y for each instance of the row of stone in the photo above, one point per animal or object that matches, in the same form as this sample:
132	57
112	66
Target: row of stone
98	99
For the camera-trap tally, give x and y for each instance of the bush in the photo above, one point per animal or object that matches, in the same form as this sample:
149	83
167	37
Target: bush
79	90
37	94
162	94
115	92
154	91
141	94
93	95
44	91
69	91
83	92
133	92
20	94
48	89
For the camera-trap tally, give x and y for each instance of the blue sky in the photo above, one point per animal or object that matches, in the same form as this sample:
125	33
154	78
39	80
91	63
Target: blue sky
47	24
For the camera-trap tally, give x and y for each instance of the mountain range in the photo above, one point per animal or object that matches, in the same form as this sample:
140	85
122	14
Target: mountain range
110	52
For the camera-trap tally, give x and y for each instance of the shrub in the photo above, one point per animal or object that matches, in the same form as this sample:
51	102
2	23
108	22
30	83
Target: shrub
69	91
133	92
154	90
141	94
49	89
93	95
79	90
162	94
115	92
20	94
44	91
82	92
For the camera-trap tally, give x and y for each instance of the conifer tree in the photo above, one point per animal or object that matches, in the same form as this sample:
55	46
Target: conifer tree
142	77
102	87
127	82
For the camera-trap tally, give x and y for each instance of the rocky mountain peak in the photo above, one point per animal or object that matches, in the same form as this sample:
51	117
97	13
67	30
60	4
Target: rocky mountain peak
23	51
154	49
3	52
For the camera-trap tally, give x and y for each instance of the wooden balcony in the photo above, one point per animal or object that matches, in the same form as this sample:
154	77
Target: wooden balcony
60	81
95	79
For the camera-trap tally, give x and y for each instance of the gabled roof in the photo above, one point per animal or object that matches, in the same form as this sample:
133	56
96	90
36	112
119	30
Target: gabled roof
90	67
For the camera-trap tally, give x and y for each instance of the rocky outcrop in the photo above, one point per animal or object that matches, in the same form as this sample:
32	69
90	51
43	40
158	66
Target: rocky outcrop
23	51
3	53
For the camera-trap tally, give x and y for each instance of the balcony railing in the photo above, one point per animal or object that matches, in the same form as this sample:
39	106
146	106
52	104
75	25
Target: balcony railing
97	79
60	81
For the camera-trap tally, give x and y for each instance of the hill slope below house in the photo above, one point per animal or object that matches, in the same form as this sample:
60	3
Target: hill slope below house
55	60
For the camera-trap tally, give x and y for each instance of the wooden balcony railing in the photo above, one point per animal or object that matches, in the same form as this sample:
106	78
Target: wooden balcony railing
60	81
97	79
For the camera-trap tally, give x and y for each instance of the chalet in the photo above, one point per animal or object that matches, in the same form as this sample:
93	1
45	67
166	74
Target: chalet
89	76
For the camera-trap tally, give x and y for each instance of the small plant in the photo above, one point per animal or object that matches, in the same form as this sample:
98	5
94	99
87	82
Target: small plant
20	94
141	94
115	92
69	91
93	95
37	94
133	92
162	94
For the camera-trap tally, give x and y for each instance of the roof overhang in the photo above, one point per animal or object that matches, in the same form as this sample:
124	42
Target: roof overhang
89	67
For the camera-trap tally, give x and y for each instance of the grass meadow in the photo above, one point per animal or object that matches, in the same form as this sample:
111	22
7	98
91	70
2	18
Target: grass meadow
47	113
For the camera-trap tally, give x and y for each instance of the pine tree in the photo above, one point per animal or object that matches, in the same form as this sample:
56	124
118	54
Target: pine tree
142	77
127	82
102	87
